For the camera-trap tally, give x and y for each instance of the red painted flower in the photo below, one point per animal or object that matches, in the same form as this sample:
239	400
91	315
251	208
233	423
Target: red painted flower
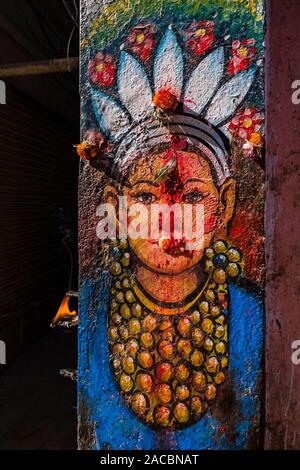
102	70
141	41
200	36
243	53
246	124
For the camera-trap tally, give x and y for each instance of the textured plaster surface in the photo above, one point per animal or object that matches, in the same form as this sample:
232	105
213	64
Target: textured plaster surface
104	420
282	226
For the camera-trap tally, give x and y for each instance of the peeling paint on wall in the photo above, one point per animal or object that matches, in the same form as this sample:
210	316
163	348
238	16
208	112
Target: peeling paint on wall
170	339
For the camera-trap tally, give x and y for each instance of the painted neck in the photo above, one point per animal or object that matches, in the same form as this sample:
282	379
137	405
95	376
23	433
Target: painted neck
168	288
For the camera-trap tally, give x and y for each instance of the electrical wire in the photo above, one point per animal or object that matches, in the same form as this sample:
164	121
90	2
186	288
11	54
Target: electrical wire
70	13
75	21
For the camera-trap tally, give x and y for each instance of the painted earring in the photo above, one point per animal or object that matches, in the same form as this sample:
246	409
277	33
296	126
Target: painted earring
223	260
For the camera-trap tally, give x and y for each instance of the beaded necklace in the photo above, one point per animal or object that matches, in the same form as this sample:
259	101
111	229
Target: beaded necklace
169	360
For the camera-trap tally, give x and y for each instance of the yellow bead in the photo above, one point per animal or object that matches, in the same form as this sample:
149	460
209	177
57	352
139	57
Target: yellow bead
147	340
195	317
162	415
118	349
116	318
197	358
116	268
197	406
126	283
204	308
125	311
199	381
120	297
220	320
182	372
136	310
134	326
209	253
215	310
132	347
224	362
145	359
125	260
208	344
210	295
220	347
129	296
212	365
126	383
113	333
211	392
232	270
124	332
181	413
184	347
219	276
144	382
164	393
184	326
233	255
149	323
123	244
182	392
208	266
116	363
207	325
139	403
197	337
114	306
220	246
128	365
219	378
220	330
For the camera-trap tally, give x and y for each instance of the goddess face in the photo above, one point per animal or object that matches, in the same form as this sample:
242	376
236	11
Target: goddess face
165	370
192	182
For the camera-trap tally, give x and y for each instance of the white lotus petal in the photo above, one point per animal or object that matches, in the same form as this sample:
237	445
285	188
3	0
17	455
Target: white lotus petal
226	131
134	87
111	118
168	65
204	81
229	97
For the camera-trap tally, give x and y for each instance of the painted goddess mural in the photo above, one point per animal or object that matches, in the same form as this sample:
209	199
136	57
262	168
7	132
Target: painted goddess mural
173	358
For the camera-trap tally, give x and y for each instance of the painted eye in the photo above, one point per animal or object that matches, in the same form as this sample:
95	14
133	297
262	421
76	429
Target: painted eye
145	197
193	197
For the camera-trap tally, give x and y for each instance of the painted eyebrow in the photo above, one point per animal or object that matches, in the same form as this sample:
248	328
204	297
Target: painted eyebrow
142	182
194	180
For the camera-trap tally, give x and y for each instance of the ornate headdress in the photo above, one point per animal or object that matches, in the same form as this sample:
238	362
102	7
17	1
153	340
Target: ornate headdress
207	102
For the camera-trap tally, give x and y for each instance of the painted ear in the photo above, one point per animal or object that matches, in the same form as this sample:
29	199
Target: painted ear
168	65
204	81
111	118
134	87
226	208
229	97
110	195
